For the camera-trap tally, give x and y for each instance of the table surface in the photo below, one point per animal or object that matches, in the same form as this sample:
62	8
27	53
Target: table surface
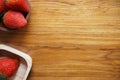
71	39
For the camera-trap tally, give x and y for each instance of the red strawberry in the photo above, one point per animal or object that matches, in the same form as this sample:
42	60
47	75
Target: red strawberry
14	19
2	5
20	5
8	67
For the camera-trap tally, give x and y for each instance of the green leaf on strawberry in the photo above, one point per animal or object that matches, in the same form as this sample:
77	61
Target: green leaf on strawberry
3	77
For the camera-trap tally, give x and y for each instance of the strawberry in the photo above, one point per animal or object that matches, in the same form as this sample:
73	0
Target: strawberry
8	67
20	5
2	6
14	19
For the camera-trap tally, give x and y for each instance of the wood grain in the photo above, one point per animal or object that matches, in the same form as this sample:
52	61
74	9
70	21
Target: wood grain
71	39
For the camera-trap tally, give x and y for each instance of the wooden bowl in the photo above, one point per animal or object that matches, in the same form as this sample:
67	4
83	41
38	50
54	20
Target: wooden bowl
5	29
25	61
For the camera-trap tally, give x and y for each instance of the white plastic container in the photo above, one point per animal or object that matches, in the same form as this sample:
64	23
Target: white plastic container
25	61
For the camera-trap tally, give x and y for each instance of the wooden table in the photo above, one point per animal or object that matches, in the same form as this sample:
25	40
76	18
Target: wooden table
71	39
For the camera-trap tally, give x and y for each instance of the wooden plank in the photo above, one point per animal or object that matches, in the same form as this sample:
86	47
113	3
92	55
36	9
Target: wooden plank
71	39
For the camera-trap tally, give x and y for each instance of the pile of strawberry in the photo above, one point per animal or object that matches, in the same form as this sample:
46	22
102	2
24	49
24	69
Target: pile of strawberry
13	13
8	67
